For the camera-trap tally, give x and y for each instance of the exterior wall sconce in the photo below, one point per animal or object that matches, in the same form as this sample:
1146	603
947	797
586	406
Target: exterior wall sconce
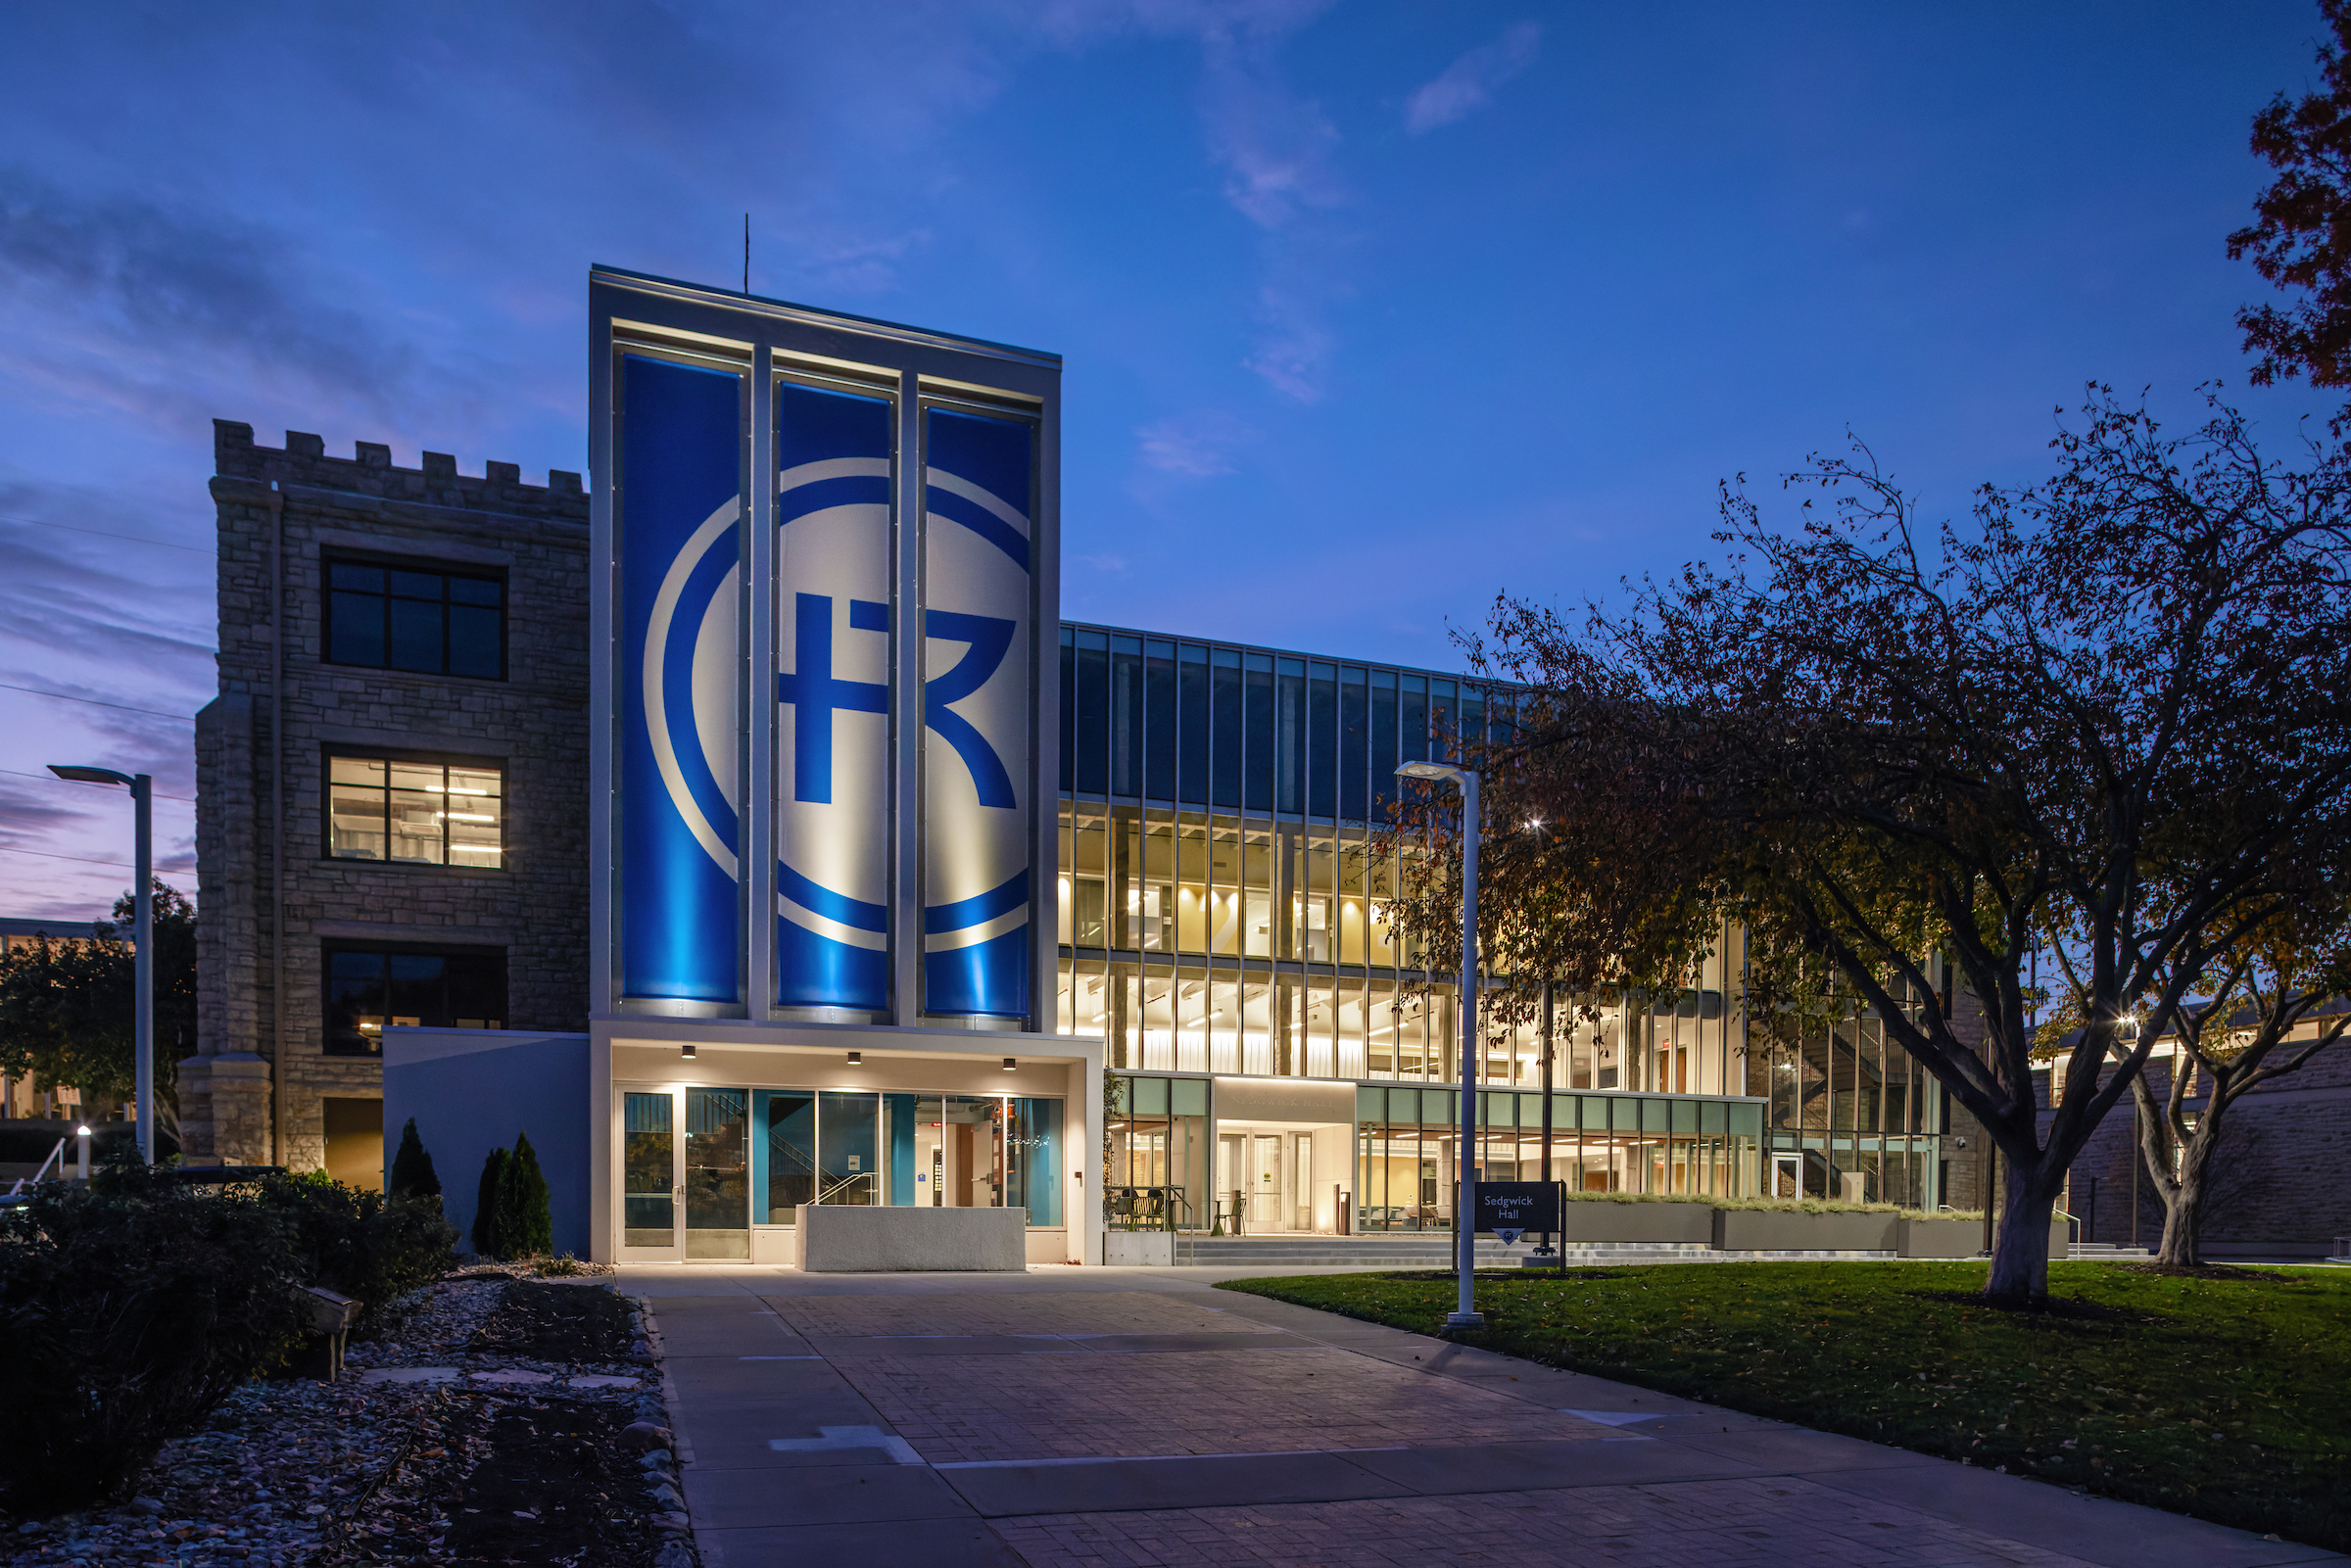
856	1058
686	1050
1010	1066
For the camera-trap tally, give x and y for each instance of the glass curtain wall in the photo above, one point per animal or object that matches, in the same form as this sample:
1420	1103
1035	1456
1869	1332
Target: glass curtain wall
1599	1143
1157	1154
1851	1114
1221	908
755	1156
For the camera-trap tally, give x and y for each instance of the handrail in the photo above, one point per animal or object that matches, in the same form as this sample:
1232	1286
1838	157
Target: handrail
826	1195
57	1158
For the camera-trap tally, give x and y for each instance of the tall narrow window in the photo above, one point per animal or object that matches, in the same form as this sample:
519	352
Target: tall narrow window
1093	713
1225	720
1384	743
1258	744
1125	716
1289	738
1192	698
1159	720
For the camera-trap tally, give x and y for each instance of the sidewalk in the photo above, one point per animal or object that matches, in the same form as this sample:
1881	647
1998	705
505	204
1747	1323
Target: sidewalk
1116	1416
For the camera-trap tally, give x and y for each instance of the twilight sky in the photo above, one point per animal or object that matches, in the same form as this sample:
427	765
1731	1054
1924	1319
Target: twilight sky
1369	308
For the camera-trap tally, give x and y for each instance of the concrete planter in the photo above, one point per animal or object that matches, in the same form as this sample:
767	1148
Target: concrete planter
1938	1238
1138	1249
1745	1230
845	1239
1637	1223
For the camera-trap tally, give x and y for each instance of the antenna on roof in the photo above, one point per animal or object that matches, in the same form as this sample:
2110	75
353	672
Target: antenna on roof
746	256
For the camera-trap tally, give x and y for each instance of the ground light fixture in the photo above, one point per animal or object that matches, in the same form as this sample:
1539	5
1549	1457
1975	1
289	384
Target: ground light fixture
81	1134
1464	1210
142	793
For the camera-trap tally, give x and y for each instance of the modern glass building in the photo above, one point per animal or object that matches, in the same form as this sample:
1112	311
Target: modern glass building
1280	1060
905	893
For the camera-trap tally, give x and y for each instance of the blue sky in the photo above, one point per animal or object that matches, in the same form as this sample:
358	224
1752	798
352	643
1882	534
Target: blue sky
1370	310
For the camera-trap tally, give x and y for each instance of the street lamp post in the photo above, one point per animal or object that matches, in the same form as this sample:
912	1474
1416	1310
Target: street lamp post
1465	1215
142	794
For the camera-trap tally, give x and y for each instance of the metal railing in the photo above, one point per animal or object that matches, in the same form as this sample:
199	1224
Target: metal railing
1151	1208
57	1158
862	1181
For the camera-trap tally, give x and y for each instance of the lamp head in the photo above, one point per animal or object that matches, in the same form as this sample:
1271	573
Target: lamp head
81	774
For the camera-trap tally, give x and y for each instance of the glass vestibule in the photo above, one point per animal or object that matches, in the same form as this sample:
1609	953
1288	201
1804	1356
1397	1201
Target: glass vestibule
701	1167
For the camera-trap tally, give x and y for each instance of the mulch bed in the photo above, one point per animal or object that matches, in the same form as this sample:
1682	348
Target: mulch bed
521	1458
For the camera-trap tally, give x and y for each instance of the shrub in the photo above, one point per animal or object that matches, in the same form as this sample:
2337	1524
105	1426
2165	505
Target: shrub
363	1244
1807	1206
128	1313
531	1231
490	1206
413	1175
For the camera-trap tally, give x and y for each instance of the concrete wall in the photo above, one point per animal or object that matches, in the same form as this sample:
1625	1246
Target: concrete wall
471	1091
841	1240
249	1096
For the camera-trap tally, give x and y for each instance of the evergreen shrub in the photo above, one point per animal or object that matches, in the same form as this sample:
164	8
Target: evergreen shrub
531	1230
128	1312
413	1175
490	1206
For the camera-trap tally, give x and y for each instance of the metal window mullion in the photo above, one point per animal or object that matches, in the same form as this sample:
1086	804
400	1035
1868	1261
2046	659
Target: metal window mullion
906	717
758	717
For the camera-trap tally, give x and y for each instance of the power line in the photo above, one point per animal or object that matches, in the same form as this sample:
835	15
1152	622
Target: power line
38	522
65	697
84	860
51	777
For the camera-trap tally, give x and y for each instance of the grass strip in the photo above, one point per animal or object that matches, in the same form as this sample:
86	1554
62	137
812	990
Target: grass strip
2218	1395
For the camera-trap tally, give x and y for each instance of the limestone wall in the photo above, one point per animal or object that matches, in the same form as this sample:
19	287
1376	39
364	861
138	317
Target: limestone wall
250	1095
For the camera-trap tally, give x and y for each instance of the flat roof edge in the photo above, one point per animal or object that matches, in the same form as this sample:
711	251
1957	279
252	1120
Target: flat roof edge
814	315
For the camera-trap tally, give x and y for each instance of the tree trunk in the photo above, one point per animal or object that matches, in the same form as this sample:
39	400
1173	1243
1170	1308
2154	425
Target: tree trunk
2020	1253
2183	1214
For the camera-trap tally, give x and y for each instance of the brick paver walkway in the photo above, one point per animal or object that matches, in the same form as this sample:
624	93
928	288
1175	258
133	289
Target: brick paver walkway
1262	1402
1133	1419
1029	1312
1695	1524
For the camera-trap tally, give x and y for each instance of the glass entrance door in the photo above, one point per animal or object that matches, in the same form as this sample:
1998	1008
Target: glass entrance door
718	1173
650	1192
686	1175
1787	1175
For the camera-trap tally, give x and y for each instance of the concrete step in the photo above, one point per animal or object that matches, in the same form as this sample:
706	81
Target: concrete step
2094	1250
1345	1252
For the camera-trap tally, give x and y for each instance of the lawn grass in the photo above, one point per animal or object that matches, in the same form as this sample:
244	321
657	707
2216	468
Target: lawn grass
2221	1396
